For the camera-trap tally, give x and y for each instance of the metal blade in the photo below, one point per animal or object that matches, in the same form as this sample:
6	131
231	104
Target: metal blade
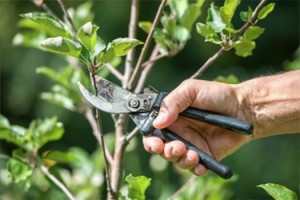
111	99
139	119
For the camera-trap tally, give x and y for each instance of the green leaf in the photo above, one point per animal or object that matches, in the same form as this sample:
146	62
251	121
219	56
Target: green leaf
29	38
48	22
190	15
116	48
59	99
18	170
62	45
59	156
87	34
266	10
178	7
253	32
246	15
145	26
82	14
181	34
137	186
169	24
214	19
228	10
279	192
232	79
244	47
204	29
42	131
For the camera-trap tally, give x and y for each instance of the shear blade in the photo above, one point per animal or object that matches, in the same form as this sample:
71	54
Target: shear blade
111	99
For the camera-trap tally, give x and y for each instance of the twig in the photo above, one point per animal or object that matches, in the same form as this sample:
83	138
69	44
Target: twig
234	38
114	71
147	69
57	182
132	29
92	121
99	128
68	18
41	4
147	43
132	134
152	61
183	187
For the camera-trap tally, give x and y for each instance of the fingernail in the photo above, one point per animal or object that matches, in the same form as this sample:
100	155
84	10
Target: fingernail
160	118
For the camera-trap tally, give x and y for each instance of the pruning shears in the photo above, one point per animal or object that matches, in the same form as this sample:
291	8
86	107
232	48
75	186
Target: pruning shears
143	109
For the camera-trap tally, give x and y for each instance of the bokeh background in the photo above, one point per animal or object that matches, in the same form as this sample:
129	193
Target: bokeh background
273	159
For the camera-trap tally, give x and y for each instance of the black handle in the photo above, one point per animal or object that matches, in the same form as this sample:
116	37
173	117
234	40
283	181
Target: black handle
205	159
222	121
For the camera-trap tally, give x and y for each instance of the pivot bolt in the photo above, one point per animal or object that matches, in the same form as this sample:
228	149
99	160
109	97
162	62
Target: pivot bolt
134	103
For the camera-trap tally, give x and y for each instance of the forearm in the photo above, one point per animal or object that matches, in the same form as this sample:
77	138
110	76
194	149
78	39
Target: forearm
271	103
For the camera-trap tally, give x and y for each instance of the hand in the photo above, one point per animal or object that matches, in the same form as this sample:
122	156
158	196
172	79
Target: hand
215	141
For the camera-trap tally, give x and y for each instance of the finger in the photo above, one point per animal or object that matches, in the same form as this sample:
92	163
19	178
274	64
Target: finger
199	170
153	145
174	150
174	103
189	160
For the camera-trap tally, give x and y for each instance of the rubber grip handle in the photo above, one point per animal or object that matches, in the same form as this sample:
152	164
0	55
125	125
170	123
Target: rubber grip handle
204	159
219	120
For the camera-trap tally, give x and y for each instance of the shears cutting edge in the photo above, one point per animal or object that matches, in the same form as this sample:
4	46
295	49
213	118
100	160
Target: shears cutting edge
143	109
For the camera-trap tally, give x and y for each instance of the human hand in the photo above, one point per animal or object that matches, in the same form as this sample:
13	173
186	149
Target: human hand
215	141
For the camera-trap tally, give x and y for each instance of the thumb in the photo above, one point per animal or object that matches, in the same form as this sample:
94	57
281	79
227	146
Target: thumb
177	101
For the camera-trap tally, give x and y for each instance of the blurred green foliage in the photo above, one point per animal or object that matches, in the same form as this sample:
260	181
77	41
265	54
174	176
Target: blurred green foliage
21	88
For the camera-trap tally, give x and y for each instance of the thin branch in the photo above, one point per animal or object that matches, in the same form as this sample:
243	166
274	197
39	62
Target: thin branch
114	71
43	5
234	38
57	182
68	18
147	43
152	61
132	134
93	123
183	187
155	56
99	128
132	29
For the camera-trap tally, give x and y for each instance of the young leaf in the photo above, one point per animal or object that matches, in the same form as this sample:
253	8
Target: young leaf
266	10
190	15
116	48
246	15
137	186
178	7
59	99
42	131
253	32
244	47
87	35
181	34
279	192
59	156
214	19
62	45
48	22
145	26
232	79
228	10
204	29
18	170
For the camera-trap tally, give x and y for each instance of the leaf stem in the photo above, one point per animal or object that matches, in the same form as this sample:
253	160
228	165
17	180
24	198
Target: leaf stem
147	43
57	182
240	32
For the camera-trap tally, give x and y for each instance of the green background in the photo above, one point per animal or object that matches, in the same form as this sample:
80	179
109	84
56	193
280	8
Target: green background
273	159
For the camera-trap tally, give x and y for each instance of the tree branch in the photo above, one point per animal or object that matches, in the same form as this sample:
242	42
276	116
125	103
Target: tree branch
114	71
240	32
99	128
132	29
147	43
56	182
146	70
93	123
183	187
132	134
43	5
